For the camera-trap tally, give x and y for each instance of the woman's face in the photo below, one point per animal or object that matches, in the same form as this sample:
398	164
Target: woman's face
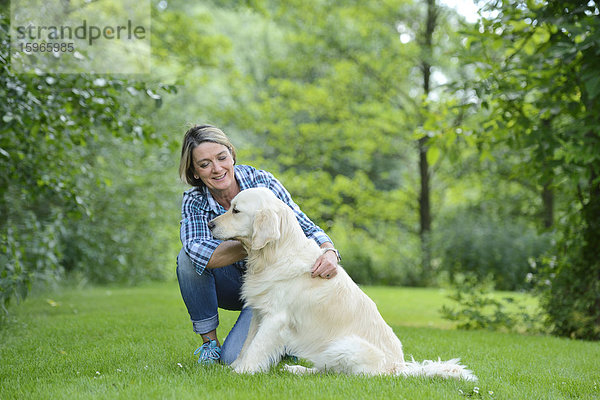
213	164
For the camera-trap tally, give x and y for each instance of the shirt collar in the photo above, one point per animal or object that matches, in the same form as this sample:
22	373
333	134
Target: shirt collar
211	203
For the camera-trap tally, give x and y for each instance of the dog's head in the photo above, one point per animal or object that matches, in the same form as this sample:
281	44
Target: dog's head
254	218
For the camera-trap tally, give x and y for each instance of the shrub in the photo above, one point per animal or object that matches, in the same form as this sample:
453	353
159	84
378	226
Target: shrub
481	246
569	285
131	231
479	308
390	257
48	143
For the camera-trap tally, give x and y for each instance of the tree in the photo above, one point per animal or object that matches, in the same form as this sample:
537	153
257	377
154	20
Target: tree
320	114
424	169
344	102
51	140
542	82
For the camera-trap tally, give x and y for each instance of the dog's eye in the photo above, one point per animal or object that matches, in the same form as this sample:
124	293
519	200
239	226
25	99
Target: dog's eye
235	211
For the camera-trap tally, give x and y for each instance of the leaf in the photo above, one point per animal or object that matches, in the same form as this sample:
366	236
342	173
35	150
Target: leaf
592	85
52	303
433	155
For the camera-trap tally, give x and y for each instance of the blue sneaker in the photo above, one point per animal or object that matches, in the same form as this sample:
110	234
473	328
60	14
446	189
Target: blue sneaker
209	352
290	359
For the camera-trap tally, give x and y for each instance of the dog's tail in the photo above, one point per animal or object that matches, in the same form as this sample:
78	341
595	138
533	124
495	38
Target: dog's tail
439	368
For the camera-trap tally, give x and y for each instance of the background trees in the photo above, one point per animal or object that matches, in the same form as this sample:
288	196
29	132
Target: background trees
66	204
543	85
430	149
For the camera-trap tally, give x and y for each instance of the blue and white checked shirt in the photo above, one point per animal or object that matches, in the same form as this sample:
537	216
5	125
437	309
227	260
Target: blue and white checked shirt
199	207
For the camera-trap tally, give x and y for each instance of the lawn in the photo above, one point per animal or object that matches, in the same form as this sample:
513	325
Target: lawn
136	343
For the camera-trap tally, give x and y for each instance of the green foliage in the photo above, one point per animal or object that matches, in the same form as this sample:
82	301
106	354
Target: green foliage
479	308
129	234
569	287
368	259
471	243
50	185
30	248
182	42
537	80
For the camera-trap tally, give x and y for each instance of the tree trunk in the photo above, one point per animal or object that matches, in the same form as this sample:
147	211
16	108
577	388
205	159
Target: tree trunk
424	209
548	205
591	248
424	173
547	191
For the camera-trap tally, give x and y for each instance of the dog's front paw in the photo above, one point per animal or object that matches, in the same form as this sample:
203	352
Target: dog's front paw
243	368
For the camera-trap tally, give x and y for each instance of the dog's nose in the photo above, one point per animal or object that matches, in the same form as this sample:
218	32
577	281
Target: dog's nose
211	225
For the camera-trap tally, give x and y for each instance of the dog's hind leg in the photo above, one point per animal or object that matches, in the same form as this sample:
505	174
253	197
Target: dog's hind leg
351	355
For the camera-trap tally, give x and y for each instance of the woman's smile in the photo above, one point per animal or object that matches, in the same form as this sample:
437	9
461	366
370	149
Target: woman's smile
214	165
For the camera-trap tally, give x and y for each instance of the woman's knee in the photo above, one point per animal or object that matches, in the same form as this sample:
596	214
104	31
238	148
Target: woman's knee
198	292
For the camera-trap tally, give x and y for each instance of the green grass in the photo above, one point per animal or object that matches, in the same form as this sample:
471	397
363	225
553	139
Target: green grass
136	343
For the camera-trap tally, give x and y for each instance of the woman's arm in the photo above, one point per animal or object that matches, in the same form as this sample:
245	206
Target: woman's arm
204	250
227	253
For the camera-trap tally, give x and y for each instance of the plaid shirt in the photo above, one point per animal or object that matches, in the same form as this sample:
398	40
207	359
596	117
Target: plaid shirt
199	207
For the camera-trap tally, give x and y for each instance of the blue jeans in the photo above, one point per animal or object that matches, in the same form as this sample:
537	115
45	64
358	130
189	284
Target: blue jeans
204	294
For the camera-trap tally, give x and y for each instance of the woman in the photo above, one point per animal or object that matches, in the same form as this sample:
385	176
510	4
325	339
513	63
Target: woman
210	271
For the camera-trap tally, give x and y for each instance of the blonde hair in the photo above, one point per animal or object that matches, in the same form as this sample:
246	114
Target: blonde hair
194	137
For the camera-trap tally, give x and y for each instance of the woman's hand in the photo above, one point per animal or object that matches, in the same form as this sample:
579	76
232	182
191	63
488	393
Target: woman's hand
326	265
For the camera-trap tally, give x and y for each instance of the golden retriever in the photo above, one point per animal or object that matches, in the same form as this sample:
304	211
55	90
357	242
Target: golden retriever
330	322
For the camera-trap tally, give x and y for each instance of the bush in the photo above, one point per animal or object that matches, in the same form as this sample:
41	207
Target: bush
389	258
472	244
479	308
125	229
130	232
569	284
29	250
49	186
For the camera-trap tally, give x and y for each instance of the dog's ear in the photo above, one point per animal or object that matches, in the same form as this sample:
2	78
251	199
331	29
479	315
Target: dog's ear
265	228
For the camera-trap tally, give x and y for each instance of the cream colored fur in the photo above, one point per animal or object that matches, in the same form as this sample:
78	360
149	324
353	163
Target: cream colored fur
330	322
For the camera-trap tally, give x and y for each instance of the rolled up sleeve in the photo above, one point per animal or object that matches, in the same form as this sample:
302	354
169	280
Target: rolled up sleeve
196	238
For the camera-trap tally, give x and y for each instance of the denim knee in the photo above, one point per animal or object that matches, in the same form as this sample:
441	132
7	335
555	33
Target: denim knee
236	337
199	294
204	293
